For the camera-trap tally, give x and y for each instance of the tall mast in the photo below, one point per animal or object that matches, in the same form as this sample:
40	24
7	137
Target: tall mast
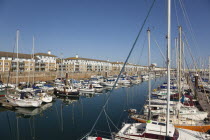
17	68
209	69
149	81
61	65
168	67
177	60
29	72
33	60
180	59
183	58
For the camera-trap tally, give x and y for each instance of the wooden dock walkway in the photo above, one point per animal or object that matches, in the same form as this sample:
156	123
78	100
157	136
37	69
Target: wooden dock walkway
202	99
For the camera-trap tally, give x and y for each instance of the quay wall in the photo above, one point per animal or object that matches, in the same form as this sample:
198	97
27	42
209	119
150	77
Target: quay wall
47	76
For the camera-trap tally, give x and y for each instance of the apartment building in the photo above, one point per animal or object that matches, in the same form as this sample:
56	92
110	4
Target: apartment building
79	64
11	61
45	62
117	66
27	62
48	62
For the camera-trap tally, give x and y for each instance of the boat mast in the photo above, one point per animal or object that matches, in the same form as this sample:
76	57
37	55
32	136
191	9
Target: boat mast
168	66
17	68
180	59
29	73
149	80
33	62
177	60
61	66
183	58
209	70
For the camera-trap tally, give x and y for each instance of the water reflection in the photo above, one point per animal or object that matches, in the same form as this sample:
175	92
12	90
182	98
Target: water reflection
29	112
71	118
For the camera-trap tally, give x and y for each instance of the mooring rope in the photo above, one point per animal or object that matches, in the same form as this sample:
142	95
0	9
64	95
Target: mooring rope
133	46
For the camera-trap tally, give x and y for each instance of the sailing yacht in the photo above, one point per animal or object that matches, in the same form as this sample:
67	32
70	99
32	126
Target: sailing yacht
153	130
23	99
156	130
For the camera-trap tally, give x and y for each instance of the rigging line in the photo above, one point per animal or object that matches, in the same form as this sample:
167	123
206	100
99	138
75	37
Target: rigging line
142	50
10	68
107	122
195	64
188	71
124	108
134	44
110	120
159	49
188	23
188	47
96	132
177	18
187	17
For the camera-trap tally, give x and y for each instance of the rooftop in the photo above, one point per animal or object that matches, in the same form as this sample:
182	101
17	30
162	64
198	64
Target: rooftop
14	55
80	58
44	54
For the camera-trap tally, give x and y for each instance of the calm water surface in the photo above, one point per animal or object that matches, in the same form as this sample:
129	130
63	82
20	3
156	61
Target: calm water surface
71	119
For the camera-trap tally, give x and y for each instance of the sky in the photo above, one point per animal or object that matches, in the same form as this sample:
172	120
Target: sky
103	29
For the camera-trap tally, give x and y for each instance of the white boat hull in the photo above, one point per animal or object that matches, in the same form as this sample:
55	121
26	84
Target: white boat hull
23	102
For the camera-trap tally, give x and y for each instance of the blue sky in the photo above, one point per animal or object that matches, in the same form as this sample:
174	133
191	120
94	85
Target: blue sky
100	29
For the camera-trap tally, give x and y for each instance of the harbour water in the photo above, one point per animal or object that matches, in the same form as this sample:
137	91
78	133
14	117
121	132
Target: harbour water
70	119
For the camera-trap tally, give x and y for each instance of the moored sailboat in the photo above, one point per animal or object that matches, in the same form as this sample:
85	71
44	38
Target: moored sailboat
152	129
23	99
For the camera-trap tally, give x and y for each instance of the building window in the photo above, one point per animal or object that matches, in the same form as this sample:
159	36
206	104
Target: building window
6	69
0	63
0	69
31	69
6	63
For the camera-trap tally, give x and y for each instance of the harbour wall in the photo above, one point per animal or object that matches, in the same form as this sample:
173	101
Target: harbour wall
47	76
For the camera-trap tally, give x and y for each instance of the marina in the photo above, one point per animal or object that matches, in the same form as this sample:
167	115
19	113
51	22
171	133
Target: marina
104	70
72	117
